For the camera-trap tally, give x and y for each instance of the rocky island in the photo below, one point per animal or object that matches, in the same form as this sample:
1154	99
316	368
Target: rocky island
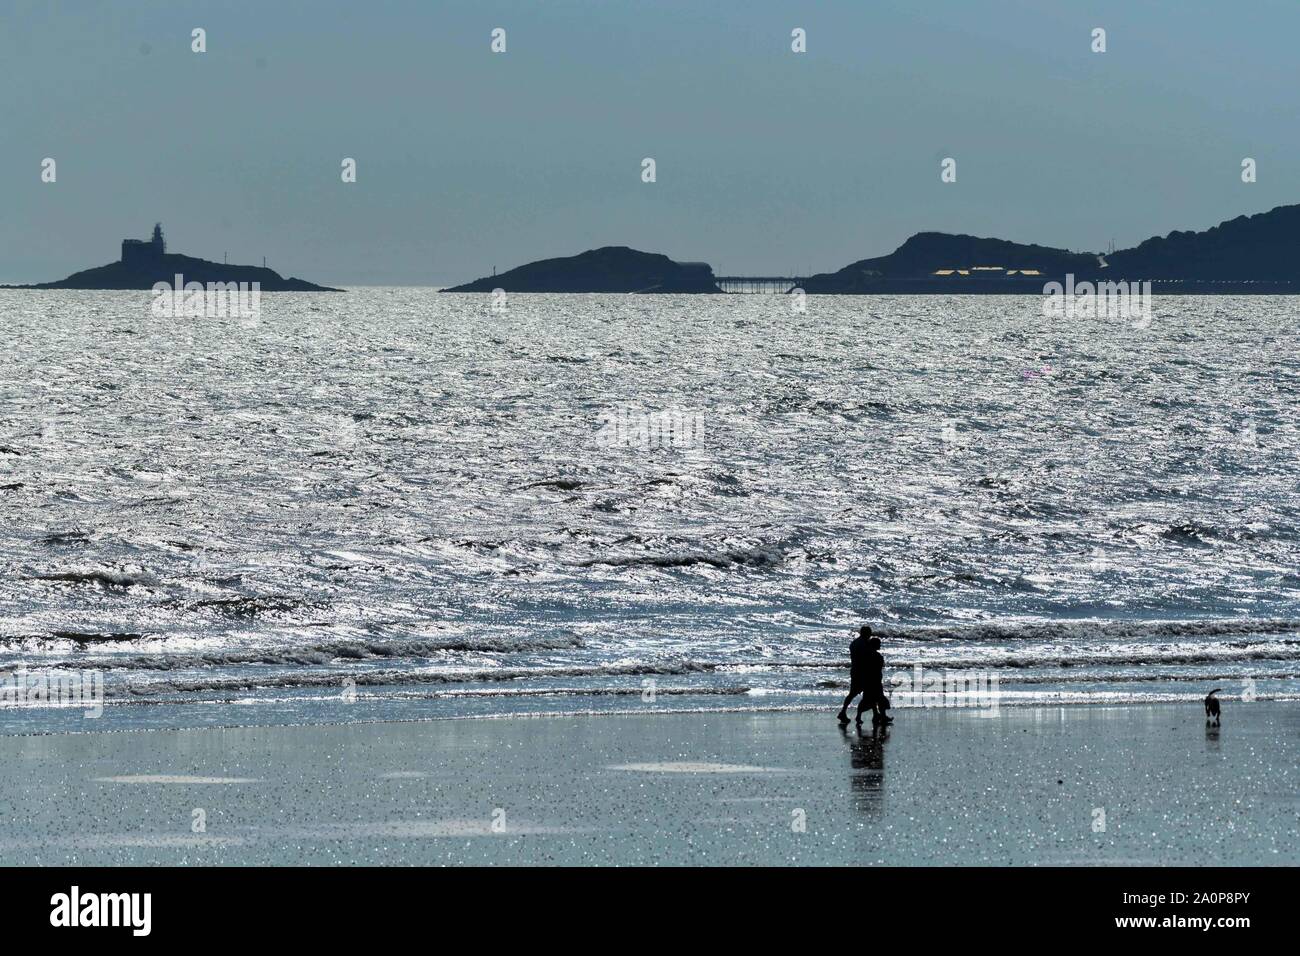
147	262
608	269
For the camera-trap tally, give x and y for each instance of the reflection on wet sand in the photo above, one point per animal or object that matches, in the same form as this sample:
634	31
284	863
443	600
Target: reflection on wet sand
867	758
1211	737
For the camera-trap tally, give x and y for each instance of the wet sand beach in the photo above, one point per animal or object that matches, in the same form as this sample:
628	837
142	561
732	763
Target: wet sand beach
1088	785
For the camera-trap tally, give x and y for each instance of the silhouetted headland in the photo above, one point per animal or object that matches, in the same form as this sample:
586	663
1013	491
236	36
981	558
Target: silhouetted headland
609	269
1250	254
147	262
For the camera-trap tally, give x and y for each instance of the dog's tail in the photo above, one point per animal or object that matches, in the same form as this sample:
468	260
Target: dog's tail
1213	692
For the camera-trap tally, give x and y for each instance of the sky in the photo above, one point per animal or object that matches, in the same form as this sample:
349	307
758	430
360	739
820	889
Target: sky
767	161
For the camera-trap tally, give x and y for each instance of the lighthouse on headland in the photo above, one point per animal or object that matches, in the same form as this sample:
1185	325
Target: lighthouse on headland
141	251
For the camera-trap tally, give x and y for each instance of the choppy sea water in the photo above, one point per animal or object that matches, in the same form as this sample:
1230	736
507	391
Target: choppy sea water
399	503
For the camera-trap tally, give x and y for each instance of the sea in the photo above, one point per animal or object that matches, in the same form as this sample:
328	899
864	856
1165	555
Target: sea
402	504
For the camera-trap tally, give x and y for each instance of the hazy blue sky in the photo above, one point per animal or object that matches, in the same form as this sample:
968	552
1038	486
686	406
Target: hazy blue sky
768	161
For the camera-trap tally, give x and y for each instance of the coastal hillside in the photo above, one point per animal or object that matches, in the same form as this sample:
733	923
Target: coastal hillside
608	269
1263	247
940	257
1260	249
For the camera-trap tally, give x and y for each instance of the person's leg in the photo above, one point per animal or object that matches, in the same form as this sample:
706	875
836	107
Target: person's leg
863	704
869	699
844	708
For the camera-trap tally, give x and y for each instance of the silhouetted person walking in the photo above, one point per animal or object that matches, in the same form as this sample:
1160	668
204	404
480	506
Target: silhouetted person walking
876	684
859	674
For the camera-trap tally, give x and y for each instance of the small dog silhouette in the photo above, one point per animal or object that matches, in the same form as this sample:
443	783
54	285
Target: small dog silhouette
1212	707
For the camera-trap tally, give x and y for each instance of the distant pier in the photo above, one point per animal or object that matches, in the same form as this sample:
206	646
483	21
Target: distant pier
757	285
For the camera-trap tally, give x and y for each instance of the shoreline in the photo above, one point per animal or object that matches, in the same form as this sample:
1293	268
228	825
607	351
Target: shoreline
828	705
